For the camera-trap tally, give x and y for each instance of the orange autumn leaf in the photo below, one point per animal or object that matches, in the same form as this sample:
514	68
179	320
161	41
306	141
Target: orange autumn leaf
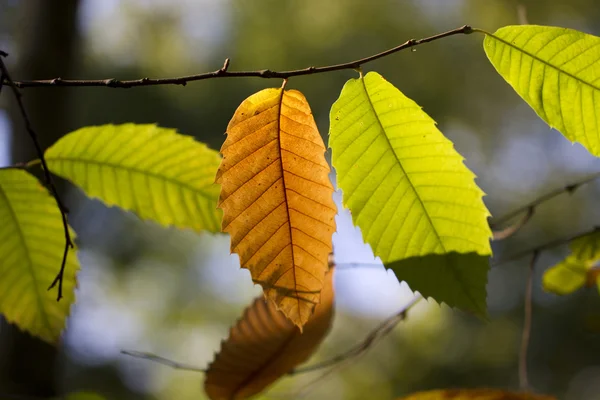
475	394
264	346
277	198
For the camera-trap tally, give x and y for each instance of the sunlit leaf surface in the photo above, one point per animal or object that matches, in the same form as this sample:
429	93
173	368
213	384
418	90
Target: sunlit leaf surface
277	198
410	193
155	172
557	72
31	253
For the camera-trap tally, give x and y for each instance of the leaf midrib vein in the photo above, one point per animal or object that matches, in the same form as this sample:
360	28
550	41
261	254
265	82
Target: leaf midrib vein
285	198
134	170
362	80
533	56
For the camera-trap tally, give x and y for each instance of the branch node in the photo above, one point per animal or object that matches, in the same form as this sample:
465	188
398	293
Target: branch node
571	188
467	29
224	67
56	81
111	82
145	80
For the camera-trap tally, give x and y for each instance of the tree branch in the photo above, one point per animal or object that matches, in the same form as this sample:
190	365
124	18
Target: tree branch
48	177
529	209
545	246
372	338
162	360
523	380
224	73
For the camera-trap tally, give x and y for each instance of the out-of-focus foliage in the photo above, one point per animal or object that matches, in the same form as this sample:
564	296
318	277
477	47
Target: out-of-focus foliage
277	200
557	72
177	294
475	394
83	396
31	251
410	193
264	346
578	269
154	172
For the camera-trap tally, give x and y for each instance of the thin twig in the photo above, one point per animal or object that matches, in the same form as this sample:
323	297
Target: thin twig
224	73
48	177
529	209
523	380
375	335
162	360
545	246
522	14
514	228
372	338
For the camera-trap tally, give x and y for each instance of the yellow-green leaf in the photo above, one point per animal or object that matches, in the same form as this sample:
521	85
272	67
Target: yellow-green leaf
414	200
557	72
155	172
578	269
32	243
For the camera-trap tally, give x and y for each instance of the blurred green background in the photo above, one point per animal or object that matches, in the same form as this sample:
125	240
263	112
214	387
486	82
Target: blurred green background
176	293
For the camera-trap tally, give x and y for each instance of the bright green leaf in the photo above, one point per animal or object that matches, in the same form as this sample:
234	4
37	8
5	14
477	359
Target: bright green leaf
577	270
155	172
410	193
31	252
557	72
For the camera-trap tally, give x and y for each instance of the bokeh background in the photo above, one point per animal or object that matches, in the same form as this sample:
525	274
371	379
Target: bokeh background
143	287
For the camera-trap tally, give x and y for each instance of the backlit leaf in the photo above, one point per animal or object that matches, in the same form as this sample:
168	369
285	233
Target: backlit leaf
557	72
264	346
31	252
156	173
475	394
410	193
578	269
277	198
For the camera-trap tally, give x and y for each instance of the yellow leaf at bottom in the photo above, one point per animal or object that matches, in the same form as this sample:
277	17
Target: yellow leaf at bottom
277	198
264	346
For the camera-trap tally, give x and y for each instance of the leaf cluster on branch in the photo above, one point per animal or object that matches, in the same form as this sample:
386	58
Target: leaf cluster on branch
408	190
